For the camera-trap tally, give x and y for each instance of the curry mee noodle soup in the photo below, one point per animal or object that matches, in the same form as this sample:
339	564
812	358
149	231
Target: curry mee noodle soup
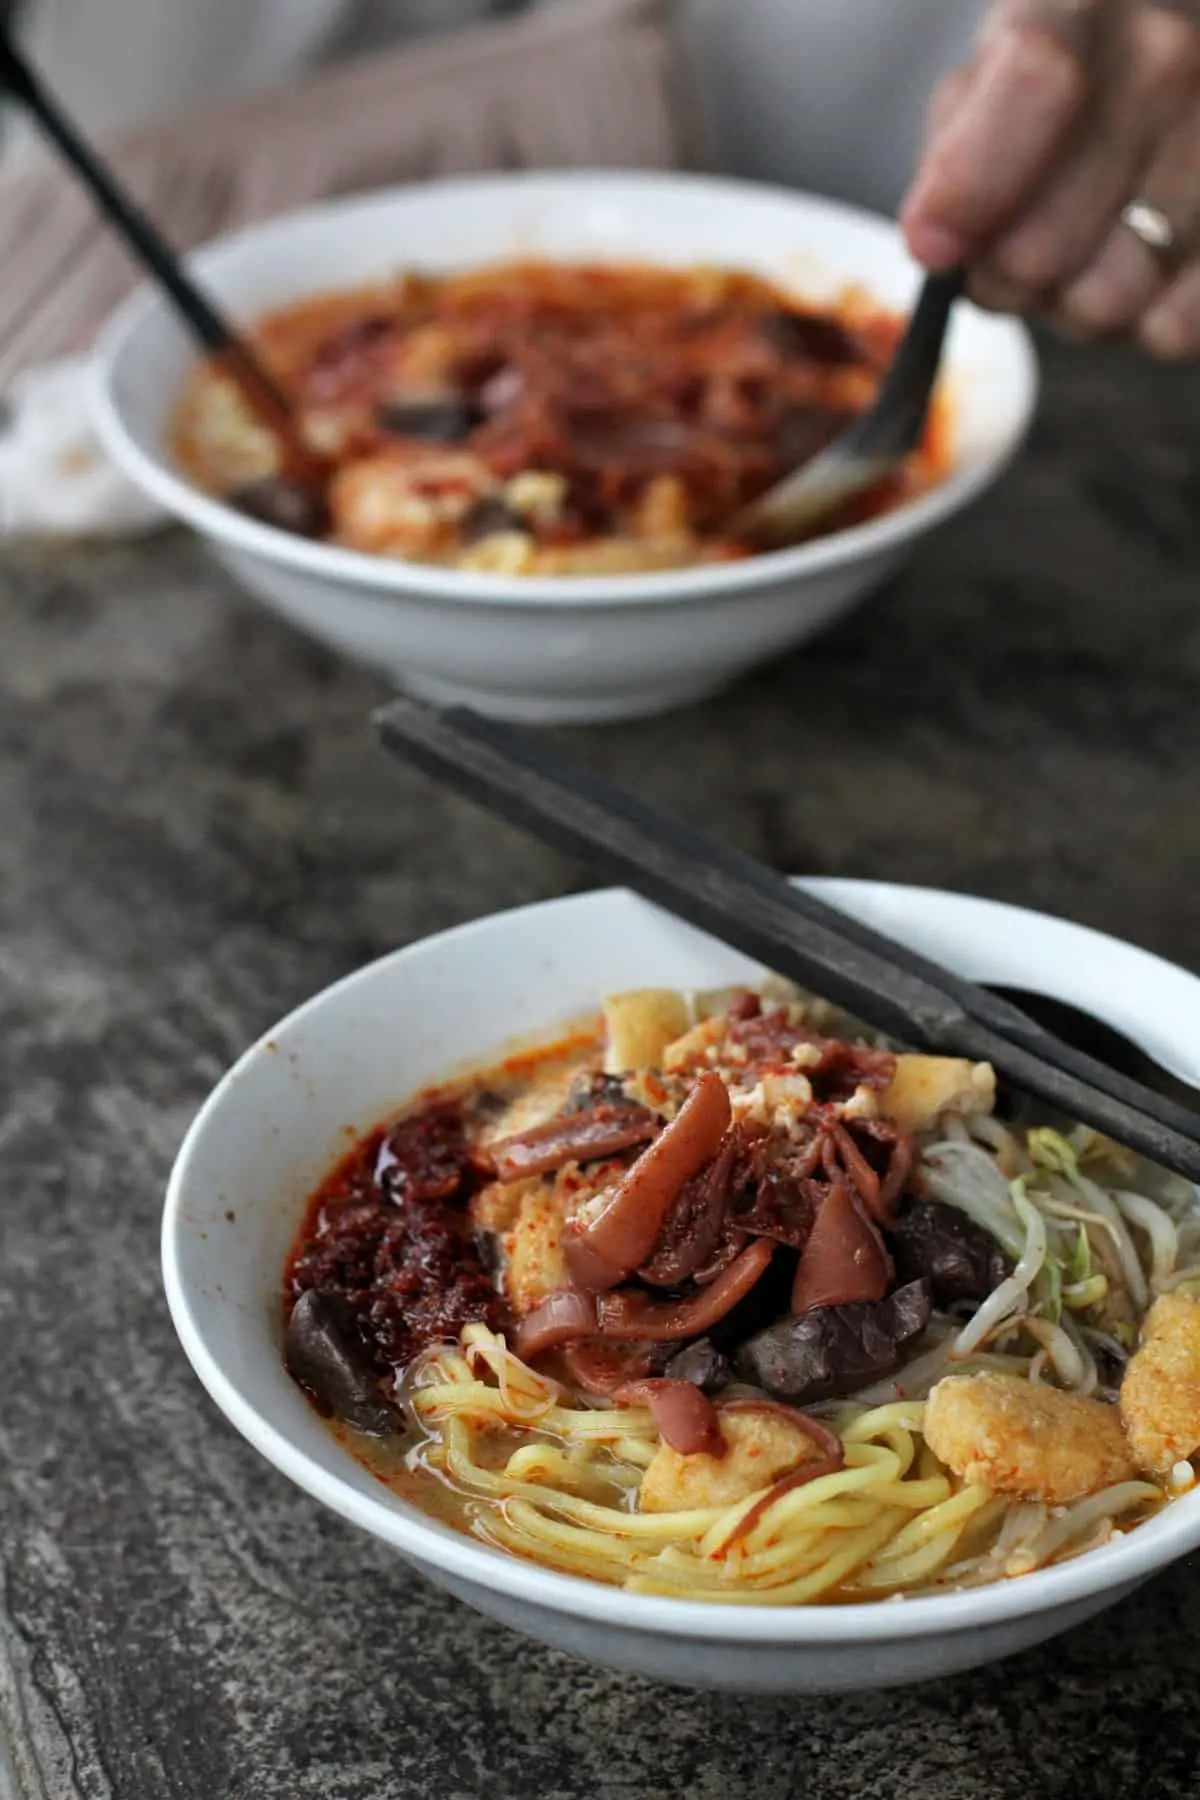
718	1297
553	418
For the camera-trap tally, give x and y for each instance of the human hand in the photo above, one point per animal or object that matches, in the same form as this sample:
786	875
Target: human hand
1063	167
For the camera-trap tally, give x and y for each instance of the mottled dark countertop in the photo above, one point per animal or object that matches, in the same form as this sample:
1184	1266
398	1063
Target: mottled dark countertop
196	832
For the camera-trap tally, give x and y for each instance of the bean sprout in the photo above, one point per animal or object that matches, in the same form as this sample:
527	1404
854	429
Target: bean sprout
998	1138
1188	1278
1011	1295
1064	1356
1159	1228
1105	1341
966	1176
1131	1263
1084	1515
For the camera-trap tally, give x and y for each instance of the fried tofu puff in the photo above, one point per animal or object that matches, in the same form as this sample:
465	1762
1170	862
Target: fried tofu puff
1160	1395
1020	1437
760	1447
925	1087
639	1025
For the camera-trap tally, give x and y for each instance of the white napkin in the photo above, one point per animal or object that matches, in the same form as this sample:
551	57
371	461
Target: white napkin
54	477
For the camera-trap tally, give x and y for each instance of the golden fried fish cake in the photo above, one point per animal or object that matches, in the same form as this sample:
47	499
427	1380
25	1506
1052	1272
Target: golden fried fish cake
1160	1395
1015	1436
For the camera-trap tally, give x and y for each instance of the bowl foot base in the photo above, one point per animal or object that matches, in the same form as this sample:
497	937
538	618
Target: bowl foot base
561	709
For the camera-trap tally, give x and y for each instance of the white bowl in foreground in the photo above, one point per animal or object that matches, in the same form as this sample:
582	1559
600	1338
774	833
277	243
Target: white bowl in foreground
279	1119
556	649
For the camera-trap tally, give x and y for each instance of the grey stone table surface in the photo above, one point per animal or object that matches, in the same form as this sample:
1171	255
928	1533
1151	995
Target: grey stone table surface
196	832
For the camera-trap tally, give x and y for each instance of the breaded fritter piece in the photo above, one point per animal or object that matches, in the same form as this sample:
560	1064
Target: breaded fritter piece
497	1206
533	1258
528	1218
1160	1395
1020	1437
762	1446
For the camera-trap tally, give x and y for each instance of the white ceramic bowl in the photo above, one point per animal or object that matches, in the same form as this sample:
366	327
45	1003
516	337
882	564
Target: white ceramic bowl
279	1120
558	649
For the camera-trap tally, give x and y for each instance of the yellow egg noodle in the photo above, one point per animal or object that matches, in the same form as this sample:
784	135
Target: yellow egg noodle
1049	1401
891	1520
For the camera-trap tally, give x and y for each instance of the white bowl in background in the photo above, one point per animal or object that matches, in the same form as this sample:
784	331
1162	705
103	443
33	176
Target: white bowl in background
278	1122
557	649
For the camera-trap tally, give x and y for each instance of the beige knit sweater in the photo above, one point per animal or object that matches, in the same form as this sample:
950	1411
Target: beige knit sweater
577	82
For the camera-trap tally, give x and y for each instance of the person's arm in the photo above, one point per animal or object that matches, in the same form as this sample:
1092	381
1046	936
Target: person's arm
1063	165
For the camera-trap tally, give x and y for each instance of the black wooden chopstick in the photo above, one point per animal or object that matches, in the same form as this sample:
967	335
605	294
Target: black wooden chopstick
18	78
1007	1019
757	911
211	328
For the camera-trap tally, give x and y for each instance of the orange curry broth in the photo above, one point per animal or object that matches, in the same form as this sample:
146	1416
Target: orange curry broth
617	374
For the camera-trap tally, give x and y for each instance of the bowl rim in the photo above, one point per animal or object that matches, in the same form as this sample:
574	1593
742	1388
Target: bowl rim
392	577
1117	1565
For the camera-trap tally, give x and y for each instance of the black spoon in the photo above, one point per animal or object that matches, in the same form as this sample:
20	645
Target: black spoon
294	500
1095	1038
876	444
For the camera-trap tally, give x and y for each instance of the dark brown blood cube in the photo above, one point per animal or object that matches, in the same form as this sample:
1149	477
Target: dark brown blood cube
285	504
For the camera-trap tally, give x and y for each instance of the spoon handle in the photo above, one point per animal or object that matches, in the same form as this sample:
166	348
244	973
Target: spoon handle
893	425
